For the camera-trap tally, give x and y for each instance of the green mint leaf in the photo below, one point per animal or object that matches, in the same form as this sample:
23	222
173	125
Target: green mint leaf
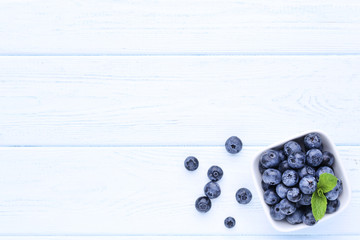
327	182
318	204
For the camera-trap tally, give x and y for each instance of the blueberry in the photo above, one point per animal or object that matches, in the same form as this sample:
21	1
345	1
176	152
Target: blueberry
328	159
272	176
261	168
191	163
290	178
332	206
215	173
323	169
243	196
270	159
212	190
233	145
309	218
203	204
291	147
296	160
313	140
229	222
314	157
281	190
305	200
287	207
308	184
283	166
282	155
294	195
307	170
296	217
271	197
266	186
275	213
337	190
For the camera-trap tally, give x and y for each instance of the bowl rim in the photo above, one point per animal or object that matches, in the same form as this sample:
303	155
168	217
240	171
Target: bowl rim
347	188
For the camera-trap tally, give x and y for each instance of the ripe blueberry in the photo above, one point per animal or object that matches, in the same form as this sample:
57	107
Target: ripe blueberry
308	184
275	213
309	218
283	166
243	196
191	163
290	178
270	159
332	206
314	157
337	190
291	147
229	222
212	190
272	176
203	204
271	197
215	173
328	159
287	207
296	160
323	169
296	217
281	190
233	145
313	140
294	195
307	170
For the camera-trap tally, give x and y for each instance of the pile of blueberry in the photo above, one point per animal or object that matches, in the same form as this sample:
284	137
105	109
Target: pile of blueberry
290	176
212	189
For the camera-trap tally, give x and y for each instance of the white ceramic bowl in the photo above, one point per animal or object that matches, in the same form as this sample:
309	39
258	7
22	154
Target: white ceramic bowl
338	167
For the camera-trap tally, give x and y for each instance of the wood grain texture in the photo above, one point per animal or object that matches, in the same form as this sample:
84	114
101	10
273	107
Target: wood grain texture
139	191
81	27
117	101
237	237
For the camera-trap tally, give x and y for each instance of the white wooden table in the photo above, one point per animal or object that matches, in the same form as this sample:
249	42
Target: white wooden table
101	102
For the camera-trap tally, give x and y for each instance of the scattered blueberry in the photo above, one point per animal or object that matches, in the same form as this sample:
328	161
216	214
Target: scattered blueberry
296	217
271	197
323	169
296	160
313	140
243	196
294	195
308	218
305	200
281	190
212	190
332	206
191	163
272	176
291	147
275	213
334	194
314	157
328	159
287	207
215	173
229	222
203	204
233	145
307	170
308	184
290	178
283	166
270	159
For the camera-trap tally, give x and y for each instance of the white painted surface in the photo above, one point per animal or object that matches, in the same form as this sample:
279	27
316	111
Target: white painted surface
182	76
177	100
179	27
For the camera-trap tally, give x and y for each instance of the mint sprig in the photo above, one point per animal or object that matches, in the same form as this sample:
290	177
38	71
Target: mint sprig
326	183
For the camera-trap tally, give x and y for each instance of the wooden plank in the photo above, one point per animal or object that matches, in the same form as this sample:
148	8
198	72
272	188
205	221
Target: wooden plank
139	191
97	101
280	237
85	27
